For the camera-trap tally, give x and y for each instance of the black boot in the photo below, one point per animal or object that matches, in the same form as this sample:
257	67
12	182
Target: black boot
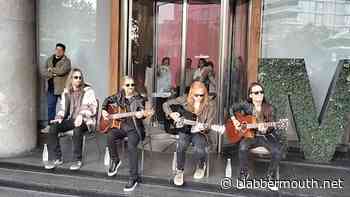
243	174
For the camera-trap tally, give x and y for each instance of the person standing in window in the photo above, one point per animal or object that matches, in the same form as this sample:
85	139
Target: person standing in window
57	68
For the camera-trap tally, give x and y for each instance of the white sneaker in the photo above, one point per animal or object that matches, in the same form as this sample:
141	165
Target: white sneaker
179	178
76	166
199	173
58	162
49	165
45	130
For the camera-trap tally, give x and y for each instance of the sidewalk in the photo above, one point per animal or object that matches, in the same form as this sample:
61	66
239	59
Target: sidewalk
157	170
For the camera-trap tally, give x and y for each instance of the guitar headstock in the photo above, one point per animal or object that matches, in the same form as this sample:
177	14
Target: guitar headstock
283	123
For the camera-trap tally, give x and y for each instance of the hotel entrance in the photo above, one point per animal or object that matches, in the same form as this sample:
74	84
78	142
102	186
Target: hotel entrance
163	44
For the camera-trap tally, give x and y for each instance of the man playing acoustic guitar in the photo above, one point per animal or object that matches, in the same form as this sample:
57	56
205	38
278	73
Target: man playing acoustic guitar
197	102
127	100
257	106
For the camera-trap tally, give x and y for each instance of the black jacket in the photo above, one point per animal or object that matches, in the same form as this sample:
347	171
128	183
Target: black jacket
135	103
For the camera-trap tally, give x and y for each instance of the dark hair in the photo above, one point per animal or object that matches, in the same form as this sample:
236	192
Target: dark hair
204	61
266	106
211	64
61	45
165	58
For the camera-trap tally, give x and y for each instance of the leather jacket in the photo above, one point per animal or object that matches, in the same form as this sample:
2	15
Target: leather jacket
135	103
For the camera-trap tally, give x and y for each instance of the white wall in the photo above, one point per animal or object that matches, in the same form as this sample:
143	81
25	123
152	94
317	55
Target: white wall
17	77
84	27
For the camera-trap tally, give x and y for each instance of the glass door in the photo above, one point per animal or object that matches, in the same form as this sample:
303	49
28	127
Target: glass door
169	44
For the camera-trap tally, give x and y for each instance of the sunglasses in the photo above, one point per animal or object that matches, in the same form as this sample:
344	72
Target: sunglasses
130	85
199	95
77	77
258	92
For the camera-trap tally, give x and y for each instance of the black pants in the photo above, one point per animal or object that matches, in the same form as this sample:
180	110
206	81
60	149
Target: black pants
198	141
269	141
53	140
115	135
160	114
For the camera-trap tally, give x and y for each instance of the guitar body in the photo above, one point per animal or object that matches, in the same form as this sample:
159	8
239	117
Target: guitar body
184	114
114	123
235	136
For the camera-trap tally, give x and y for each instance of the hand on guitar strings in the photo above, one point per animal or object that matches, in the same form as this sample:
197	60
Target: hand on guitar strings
175	116
262	128
105	114
197	128
57	120
140	114
236	123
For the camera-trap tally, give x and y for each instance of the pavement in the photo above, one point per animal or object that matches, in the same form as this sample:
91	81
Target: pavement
24	175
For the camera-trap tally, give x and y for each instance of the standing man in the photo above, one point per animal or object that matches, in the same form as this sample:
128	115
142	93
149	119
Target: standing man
131	127
57	68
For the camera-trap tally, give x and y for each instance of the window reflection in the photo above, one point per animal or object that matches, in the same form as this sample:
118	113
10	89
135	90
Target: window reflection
317	31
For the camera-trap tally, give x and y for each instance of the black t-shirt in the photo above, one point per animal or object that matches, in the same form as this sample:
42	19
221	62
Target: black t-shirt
50	82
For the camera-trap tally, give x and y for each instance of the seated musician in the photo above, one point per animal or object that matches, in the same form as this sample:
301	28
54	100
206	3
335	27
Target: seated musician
131	127
77	110
257	106
197	102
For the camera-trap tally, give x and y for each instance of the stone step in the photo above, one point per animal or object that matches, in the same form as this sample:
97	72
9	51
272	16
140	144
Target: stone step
84	183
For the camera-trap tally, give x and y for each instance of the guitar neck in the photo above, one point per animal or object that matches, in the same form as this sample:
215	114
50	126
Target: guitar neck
193	123
122	115
265	124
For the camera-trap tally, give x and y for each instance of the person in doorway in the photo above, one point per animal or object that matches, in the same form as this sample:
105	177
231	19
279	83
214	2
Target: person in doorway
189	71
197	102
57	68
131	127
163	86
77	112
204	73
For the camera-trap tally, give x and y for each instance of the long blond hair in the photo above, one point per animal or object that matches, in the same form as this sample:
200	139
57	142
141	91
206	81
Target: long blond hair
69	80
197	85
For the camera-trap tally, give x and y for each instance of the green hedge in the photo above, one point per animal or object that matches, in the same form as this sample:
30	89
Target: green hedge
288	77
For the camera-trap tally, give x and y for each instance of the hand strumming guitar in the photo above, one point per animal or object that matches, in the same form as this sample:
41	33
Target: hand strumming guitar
105	114
175	116
262	128
236	123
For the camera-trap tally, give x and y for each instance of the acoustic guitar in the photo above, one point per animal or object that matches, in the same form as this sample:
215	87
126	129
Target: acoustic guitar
116	115
248	127
188	119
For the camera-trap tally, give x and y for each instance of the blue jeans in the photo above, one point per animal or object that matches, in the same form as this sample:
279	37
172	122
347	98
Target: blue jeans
198	141
51	105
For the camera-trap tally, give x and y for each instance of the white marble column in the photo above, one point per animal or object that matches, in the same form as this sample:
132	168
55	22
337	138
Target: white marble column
18	133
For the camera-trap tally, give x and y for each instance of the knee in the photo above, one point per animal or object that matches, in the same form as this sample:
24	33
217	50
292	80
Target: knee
276	152
243	147
77	133
200	151
182	146
53	129
132	144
